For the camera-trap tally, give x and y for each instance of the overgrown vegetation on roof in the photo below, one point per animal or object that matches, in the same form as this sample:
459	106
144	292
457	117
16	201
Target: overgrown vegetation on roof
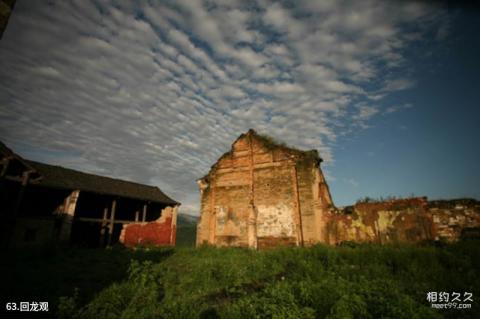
304	157
382	199
272	143
440	203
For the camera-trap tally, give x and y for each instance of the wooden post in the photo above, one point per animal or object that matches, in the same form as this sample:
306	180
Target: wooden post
144	217
104	225
112	220
136	216
68	215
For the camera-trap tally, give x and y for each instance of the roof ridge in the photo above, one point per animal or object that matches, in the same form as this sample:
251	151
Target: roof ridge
63	177
92	174
54	175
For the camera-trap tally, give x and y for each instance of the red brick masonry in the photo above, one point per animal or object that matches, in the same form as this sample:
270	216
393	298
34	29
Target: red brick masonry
161	232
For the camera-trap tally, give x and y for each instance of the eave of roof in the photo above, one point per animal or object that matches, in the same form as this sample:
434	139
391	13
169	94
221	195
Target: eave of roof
66	178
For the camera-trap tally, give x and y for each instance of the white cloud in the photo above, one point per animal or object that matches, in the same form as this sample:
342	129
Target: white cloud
397	85
279	88
157	92
352	182
393	109
365	112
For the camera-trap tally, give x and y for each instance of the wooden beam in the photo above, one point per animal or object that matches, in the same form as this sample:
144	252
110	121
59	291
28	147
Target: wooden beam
13	178
136	215
99	220
20	179
112	221
104	221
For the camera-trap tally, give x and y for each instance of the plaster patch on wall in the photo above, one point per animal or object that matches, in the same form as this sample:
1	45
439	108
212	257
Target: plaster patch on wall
275	221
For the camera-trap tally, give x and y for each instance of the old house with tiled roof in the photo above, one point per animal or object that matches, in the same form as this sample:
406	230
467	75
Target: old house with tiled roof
43	203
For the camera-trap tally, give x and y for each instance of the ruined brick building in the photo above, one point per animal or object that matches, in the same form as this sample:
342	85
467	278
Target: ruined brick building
262	194
404	220
45	204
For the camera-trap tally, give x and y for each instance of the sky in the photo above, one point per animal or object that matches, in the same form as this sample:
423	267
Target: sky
156	91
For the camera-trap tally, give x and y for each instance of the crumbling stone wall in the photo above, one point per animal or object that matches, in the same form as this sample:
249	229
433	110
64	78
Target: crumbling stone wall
161	232
262	194
389	221
453	219
403	220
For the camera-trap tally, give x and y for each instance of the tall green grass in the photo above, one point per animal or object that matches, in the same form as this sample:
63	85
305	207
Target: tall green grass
363	281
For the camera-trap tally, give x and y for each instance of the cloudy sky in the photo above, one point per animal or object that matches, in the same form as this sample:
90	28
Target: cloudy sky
156	91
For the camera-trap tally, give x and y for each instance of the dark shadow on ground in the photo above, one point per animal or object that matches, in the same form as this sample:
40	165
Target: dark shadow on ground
46	274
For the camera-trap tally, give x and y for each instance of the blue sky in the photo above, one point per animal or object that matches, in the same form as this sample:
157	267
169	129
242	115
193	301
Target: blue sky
431	148
155	92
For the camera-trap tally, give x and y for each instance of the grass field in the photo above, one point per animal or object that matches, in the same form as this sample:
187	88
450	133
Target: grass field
363	281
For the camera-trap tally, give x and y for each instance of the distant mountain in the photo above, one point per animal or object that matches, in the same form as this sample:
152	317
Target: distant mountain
186	230
186	220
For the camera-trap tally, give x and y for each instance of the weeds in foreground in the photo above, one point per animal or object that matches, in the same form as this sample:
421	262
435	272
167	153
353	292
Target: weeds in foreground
361	281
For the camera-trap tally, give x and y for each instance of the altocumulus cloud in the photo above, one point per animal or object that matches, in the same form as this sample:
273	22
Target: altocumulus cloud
155	92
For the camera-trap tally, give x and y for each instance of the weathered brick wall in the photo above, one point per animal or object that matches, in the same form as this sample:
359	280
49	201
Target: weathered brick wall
161	232
203	224
451	219
314	200
404	220
258	195
275	205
